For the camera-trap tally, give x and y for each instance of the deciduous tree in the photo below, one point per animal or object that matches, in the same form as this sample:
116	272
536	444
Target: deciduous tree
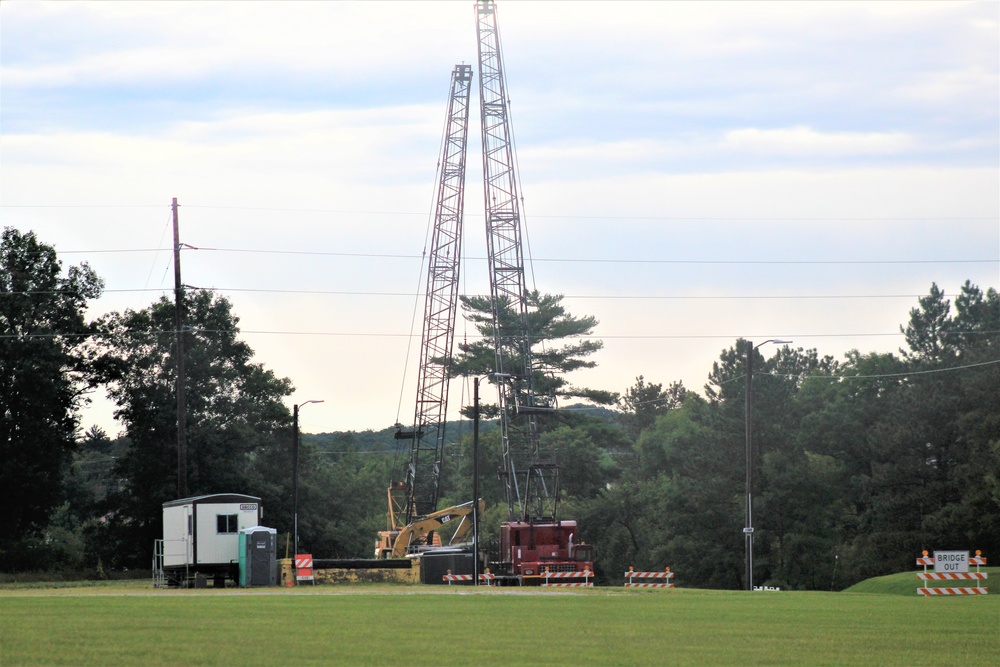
44	372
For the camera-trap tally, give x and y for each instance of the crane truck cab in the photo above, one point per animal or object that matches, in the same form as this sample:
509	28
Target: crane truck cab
528	548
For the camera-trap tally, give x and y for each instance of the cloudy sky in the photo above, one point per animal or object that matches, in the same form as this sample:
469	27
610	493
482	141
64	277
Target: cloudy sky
692	172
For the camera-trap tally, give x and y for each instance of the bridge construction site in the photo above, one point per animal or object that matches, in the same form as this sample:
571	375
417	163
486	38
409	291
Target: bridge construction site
534	540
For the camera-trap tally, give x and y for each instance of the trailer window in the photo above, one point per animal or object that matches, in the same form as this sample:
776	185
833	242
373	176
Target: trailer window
226	523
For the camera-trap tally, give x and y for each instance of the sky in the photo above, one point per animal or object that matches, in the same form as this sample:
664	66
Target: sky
692	172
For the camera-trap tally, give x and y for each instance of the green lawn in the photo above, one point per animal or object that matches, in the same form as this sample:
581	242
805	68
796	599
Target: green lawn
414	625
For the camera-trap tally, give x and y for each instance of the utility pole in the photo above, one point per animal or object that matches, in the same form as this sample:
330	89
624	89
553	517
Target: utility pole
182	490
295	480
295	473
748	529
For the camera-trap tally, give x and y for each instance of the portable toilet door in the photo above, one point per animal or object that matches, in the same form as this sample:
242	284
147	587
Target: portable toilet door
243	541
258	556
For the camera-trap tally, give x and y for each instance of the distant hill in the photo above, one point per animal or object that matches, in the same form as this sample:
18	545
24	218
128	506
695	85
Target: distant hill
384	440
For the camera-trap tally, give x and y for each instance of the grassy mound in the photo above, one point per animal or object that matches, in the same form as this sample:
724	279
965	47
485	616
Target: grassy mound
906	583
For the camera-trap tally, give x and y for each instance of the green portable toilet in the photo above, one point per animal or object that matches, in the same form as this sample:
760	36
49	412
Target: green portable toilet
258	557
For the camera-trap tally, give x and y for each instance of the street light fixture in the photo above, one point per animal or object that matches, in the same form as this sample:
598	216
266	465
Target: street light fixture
295	473
748	530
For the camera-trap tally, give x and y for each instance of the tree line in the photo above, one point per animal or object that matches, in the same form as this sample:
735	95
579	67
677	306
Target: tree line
857	464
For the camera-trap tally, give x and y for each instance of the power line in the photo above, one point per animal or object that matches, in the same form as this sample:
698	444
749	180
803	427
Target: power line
746	296
679	218
224	289
679	297
850	377
106	251
881	375
409	335
769	262
84	205
580	260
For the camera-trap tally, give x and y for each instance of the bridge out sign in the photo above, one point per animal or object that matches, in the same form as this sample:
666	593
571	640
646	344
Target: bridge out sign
951	561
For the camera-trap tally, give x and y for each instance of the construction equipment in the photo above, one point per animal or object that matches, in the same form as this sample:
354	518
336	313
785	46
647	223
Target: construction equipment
422	534
533	541
532	538
409	519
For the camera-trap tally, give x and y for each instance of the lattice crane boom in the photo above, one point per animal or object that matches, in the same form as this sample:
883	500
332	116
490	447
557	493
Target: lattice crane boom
423	474
530	482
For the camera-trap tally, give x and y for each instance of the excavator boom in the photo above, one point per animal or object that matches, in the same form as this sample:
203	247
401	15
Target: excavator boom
420	532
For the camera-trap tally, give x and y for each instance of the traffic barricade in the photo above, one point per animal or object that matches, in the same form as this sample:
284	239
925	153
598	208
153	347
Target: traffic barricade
304	568
952	566
664	578
563	579
486	577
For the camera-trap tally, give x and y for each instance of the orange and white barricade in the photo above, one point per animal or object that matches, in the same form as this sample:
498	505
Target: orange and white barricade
562	579
975	590
487	577
304	568
663	577
926	576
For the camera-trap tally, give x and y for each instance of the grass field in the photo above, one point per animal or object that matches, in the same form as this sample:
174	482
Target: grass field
134	624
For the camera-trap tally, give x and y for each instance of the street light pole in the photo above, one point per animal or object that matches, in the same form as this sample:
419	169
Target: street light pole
475	474
748	529
295	474
475	482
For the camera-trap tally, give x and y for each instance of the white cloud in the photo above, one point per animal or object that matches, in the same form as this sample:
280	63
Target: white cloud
948	86
170	42
805	141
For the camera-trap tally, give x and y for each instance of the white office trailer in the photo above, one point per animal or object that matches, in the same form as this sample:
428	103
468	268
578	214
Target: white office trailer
201	539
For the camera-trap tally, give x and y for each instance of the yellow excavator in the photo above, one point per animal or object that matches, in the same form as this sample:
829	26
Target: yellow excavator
397	541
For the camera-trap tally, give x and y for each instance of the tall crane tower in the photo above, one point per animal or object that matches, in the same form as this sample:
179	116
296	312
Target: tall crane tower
423	472
533	542
530	481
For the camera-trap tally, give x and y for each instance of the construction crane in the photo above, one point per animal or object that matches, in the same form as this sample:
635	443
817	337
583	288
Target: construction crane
532	538
416	499
514	369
